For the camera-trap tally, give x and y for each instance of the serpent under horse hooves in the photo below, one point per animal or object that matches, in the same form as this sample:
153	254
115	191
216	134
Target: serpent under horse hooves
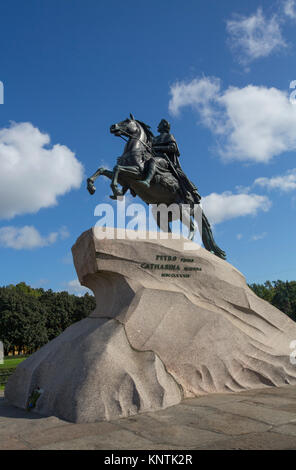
164	185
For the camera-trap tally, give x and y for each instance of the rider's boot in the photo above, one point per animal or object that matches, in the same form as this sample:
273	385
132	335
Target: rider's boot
150	174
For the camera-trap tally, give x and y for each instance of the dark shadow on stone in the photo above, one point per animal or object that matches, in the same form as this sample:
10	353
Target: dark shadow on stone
9	411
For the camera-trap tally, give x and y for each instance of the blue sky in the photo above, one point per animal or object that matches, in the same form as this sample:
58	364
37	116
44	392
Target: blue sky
219	71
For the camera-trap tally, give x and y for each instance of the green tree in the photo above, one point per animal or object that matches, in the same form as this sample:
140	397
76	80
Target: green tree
31	317
22	322
265	291
280	294
83	307
285	297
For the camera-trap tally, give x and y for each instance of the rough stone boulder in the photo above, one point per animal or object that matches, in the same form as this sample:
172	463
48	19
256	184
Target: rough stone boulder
172	321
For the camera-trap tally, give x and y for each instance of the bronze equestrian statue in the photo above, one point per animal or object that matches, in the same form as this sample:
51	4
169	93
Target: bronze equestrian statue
149	168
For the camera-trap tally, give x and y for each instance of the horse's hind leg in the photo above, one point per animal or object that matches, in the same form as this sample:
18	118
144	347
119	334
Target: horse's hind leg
162	224
192	228
90	181
188	220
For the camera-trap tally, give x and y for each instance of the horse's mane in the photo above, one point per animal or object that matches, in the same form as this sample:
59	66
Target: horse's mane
147	130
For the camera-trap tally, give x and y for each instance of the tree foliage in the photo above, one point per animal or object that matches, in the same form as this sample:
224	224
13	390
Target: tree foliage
29	317
280	294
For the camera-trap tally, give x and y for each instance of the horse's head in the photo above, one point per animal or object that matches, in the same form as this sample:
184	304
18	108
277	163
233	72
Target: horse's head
129	128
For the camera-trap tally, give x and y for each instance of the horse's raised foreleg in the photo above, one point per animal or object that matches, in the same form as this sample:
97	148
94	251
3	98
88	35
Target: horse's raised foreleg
90	181
114	183
119	170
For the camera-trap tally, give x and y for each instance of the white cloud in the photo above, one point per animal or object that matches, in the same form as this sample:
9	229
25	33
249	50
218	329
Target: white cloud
33	175
285	182
74	287
239	236
225	206
253	123
260	236
261	123
255	36
290	8
196	93
27	237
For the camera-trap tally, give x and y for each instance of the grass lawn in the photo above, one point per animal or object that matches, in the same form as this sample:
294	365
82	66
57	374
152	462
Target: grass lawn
11	362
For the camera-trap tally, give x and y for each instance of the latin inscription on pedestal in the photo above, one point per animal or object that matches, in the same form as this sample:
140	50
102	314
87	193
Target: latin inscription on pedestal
172	266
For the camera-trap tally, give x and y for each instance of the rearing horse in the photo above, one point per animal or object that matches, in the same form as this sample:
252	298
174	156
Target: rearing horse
130	172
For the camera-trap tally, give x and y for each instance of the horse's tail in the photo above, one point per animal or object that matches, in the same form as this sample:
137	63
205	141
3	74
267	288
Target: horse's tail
208	239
